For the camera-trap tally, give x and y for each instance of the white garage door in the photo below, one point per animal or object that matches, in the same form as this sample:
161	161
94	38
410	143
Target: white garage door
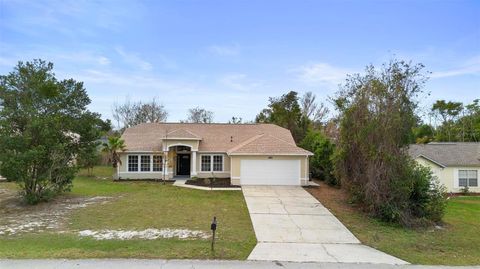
270	172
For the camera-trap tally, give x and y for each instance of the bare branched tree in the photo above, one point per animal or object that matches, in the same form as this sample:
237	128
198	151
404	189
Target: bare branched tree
316	112
321	114
133	113
308	104
199	115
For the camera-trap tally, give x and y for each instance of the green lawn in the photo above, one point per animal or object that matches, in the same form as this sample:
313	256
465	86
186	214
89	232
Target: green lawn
139	206
457	243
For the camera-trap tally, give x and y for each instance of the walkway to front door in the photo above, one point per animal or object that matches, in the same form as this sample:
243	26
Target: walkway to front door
291	225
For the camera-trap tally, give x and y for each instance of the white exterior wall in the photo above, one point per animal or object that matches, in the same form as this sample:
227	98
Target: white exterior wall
236	166
123	173
448	176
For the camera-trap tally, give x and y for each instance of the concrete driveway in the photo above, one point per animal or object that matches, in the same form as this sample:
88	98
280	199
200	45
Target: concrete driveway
291	225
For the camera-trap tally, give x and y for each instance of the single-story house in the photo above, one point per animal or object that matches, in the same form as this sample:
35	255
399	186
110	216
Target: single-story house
248	154
456	164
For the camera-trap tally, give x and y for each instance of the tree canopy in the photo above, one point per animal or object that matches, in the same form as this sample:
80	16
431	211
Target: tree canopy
199	115
285	111
44	125
378	114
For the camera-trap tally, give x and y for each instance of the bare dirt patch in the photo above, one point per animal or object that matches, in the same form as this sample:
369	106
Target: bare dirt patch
149	234
18	217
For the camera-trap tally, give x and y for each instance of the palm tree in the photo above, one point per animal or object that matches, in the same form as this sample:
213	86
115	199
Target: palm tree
114	145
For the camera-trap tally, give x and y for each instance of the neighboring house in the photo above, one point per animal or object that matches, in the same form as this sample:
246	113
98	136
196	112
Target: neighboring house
456	164
249	154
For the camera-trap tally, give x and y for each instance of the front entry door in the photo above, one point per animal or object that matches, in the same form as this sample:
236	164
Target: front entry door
183	164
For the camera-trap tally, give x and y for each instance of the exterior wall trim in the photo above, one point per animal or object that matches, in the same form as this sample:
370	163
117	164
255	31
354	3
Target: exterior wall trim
433	161
267	154
181	138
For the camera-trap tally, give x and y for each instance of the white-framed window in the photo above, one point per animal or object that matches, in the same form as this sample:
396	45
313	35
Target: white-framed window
467	178
145	163
132	163
206	162
157	163
217	163
213	162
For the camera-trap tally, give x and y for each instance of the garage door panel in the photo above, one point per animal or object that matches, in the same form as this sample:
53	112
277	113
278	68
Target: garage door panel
270	172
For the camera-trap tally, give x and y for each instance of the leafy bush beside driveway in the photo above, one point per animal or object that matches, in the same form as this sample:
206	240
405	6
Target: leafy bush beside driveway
456	242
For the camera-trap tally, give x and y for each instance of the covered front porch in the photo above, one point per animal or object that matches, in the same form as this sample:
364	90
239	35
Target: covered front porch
180	162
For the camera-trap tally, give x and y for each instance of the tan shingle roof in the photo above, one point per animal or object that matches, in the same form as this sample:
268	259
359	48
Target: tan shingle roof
267	145
448	154
182	133
214	137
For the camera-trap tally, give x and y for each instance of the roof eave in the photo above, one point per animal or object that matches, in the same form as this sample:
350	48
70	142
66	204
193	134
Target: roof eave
268	154
181	138
431	160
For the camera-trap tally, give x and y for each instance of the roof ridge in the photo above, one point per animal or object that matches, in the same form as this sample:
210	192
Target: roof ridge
293	144
246	142
183	129
192	133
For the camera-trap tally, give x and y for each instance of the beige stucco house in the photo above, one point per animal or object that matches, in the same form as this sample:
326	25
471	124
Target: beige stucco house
456	164
248	154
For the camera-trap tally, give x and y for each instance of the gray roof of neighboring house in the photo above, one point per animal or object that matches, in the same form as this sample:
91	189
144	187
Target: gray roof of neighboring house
448	153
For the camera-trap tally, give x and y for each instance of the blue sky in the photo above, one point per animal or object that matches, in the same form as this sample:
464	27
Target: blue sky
230	56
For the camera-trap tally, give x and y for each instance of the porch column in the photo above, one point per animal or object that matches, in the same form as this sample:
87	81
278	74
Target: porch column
193	171
165	164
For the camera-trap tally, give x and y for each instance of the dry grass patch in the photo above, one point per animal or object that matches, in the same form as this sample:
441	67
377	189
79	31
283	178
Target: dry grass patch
457	242
137	220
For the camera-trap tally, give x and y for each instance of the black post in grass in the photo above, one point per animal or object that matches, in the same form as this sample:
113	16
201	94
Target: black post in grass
213	227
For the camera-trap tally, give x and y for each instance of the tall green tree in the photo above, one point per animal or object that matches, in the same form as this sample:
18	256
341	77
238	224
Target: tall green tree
423	134
449	113
377	116
321	163
470	122
88	158
285	111
44	125
456	121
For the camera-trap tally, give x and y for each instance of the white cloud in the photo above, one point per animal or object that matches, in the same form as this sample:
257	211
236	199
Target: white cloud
103	60
178	95
67	17
469	67
321	73
238	81
134	59
224	50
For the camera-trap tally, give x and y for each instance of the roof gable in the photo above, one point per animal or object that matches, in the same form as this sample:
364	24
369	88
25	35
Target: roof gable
448	154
